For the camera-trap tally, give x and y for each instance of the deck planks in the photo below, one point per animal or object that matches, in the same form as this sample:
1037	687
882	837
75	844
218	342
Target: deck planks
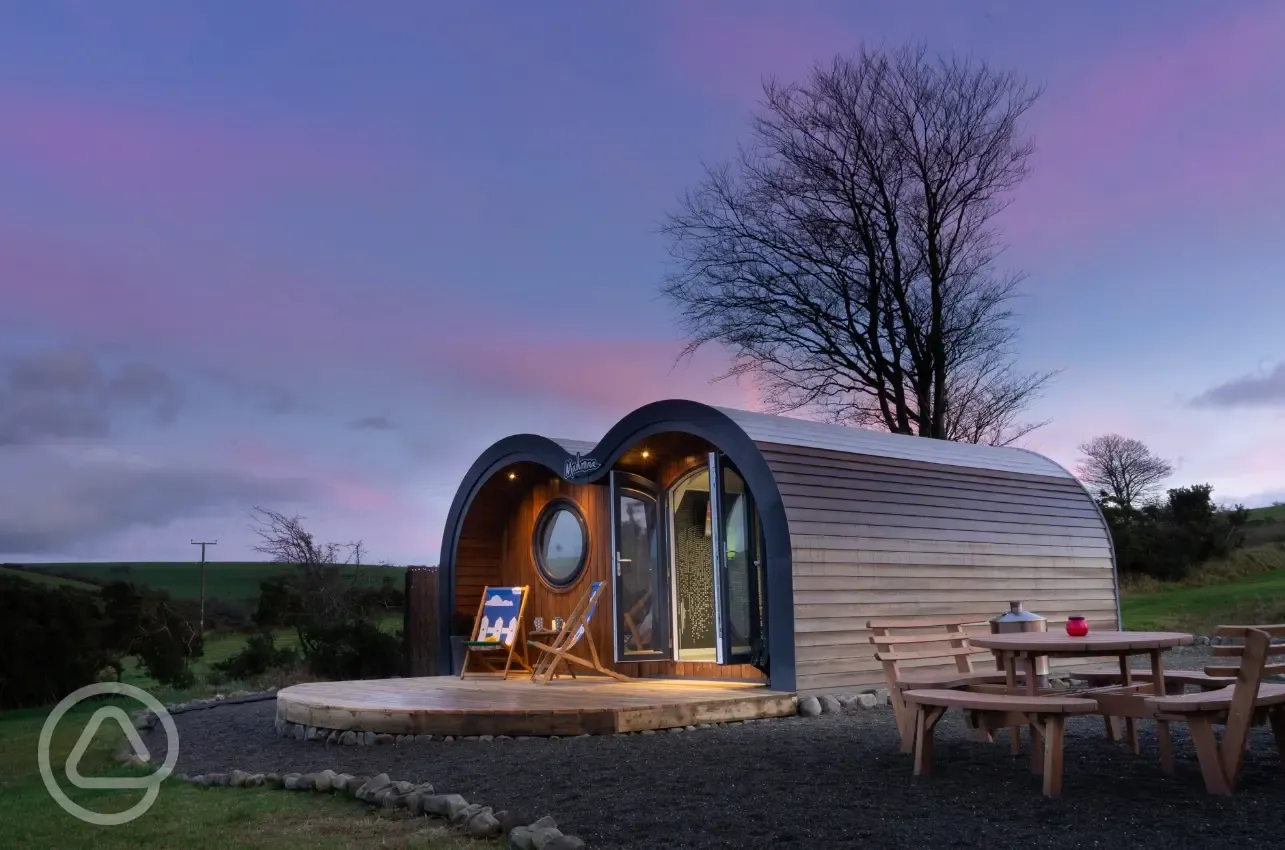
447	705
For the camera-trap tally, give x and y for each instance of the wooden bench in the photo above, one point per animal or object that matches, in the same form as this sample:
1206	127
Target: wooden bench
1237	707
997	711
1175	680
913	639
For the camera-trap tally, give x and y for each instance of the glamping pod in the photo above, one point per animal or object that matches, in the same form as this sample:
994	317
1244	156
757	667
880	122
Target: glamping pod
744	546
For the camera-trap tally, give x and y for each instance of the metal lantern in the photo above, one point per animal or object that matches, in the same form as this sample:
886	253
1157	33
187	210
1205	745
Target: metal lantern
1018	619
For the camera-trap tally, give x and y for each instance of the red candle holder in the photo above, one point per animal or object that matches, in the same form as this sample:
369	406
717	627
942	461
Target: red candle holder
1077	626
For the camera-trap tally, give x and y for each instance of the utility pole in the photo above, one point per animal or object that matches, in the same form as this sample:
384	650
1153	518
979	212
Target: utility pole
203	544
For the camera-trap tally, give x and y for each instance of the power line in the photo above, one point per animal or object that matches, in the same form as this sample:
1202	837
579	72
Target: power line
203	544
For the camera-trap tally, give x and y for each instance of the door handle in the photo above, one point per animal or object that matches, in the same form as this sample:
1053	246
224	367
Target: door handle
620	560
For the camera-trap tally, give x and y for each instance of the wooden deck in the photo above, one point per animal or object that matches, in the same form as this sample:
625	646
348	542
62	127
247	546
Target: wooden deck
446	705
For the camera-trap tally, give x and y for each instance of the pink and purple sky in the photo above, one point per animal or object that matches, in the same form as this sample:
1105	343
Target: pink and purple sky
318	255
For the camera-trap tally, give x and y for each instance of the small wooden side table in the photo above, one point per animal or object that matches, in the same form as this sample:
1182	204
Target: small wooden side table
546	636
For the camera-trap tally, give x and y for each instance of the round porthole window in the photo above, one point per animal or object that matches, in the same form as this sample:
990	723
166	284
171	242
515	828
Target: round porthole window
561	542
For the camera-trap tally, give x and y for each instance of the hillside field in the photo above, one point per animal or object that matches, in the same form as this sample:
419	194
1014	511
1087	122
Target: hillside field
1257	599
232	581
46	579
1275	512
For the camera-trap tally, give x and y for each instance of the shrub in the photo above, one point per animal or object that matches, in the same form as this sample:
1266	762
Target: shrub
260	655
52	641
324	601
356	649
1165	540
144	623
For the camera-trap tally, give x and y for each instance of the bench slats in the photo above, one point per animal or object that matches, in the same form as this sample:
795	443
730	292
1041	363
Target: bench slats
1237	651
921	623
1000	702
897	640
1187	677
1277	630
936	679
1210	701
1268	670
924	654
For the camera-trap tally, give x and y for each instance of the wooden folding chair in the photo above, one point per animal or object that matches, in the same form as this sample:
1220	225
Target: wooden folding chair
639	633
577	626
498	630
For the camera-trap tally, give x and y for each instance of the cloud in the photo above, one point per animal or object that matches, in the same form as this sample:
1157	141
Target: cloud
498	601
1267	390
371	423
179	153
68	393
264	396
70	497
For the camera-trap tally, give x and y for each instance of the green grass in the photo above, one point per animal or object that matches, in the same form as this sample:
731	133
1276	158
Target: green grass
46	579
1273	512
183	815
1197	609
233	581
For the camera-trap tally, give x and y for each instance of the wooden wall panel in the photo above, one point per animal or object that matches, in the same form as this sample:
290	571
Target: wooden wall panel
878	537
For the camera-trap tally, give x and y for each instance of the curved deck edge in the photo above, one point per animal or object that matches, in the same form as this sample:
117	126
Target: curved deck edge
450	706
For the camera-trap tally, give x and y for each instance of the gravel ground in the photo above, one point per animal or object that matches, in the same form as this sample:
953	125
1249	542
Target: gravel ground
826	782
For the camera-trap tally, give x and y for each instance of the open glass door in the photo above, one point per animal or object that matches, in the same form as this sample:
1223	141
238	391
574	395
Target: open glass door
737	565
640	599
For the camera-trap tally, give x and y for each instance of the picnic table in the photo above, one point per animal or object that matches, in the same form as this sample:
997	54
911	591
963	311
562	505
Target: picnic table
1125	700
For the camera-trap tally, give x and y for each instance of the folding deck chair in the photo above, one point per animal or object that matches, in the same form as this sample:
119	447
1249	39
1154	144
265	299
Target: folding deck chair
577	627
498	630
639	633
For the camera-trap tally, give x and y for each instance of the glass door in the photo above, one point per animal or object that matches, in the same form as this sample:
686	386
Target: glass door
737	566
640	600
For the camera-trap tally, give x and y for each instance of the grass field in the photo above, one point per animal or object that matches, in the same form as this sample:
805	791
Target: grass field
1256	599
233	581
46	579
184	815
1274	512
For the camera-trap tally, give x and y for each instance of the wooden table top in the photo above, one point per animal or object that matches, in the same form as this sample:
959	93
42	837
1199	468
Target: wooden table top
1060	643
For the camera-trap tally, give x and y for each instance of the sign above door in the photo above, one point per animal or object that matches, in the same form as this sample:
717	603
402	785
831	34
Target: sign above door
577	466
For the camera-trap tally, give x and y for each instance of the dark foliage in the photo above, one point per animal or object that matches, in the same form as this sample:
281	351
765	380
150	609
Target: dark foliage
324	601
260	655
55	640
1165	540
351	648
145	623
357	649
52	641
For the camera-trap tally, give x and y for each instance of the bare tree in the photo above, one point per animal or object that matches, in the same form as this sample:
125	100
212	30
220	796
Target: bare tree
846	257
324	591
1122	468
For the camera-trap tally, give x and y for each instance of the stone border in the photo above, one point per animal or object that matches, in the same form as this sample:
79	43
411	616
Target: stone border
474	819
837	703
146	719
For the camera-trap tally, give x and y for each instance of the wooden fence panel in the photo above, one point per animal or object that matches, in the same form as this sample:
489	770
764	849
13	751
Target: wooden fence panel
420	632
